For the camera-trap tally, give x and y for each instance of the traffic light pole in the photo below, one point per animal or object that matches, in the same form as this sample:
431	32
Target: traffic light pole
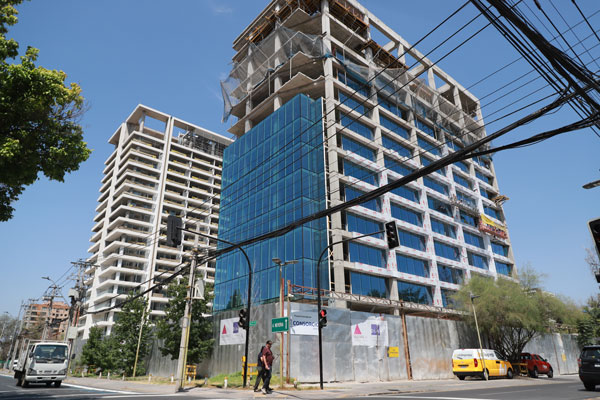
249	292
319	299
185	323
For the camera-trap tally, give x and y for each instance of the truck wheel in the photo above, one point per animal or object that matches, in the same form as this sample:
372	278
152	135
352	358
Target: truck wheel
57	383
48	384
509	374
550	373
589	386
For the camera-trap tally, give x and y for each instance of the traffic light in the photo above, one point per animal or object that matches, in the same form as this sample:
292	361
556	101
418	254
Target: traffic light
173	230
391	233
594	226
323	318
243	322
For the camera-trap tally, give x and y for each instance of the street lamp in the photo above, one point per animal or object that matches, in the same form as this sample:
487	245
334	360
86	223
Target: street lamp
281	264
472	296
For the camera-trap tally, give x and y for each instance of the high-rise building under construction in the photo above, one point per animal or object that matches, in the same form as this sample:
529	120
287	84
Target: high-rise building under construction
325	111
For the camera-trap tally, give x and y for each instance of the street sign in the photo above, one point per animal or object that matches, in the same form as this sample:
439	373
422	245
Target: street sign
252	323
393	352
280	324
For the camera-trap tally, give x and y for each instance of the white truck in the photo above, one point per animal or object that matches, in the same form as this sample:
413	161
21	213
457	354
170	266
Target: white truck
42	362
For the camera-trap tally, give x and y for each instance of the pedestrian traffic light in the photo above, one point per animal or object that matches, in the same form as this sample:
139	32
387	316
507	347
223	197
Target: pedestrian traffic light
391	233
322	318
173	230
243	322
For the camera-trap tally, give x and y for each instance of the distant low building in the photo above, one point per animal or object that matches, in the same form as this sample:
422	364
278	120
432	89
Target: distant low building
39	314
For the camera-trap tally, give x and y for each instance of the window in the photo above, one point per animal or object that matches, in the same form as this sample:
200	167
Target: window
468	219
462	166
482	162
468	200
439	206
411	265
455	146
500	249
477	260
447	300
355	126
474	240
428	146
368	285
355	223
450	275
397	167
487	179
462	181
394	127
425	128
446	251
412	240
358	148
361	253
351	193
355	83
426	161
395	146
391	106
407	193
492	212
435	185
487	194
503	268
443	228
406	214
351	102
363	174
414	293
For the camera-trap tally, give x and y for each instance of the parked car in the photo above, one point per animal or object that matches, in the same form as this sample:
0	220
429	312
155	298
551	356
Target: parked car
468	362
589	366
536	365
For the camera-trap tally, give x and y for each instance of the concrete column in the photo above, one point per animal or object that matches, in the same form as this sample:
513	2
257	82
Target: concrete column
277	80
248	123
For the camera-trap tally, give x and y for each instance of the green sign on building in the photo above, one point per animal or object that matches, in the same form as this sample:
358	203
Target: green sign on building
280	324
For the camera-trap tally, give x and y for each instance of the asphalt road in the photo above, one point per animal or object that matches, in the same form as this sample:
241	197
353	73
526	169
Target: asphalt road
560	388
9	391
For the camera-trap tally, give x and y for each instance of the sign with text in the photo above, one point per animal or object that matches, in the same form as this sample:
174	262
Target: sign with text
305	323
488	226
372	332
280	325
231	333
393	352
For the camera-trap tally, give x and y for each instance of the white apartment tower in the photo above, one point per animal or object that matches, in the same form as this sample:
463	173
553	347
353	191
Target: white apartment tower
161	165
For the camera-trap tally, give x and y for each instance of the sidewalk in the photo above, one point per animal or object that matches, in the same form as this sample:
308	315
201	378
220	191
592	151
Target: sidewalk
311	391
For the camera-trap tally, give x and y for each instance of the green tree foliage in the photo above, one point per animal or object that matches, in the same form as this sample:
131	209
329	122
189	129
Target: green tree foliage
511	313
588	326
96	352
39	130
169	329
123	340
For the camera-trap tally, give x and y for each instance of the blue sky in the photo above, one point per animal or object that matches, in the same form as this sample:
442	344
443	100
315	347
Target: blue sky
171	56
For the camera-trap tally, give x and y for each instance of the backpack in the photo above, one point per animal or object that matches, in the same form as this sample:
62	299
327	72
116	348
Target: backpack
259	360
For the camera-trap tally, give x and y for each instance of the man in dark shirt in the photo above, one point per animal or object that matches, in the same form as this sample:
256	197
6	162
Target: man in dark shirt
267	359
260	368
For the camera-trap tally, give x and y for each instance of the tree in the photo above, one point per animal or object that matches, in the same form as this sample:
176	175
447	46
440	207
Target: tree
38	119
123	340
96	351
169	328
511	314
588	327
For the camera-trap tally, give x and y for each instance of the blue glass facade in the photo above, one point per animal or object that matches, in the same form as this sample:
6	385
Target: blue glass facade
272	176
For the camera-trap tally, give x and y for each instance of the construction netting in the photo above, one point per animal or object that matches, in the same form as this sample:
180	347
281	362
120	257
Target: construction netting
265	58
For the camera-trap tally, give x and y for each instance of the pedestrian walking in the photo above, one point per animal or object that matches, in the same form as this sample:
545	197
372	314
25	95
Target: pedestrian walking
260	367
267	359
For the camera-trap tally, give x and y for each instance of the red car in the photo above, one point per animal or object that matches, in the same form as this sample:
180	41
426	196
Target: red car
536	365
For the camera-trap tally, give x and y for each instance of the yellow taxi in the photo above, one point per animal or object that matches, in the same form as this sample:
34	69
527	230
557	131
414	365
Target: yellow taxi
468	362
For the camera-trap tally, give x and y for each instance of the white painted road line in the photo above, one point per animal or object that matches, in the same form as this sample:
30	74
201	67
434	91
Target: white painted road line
98	389
437	398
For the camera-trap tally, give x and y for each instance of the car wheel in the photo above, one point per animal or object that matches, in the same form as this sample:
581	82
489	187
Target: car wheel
486	375
589	386
509	374
48	384
57	383
462	378
534	373
550	373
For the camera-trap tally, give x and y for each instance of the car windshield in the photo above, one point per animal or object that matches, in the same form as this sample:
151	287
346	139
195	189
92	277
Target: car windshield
51	353
590	353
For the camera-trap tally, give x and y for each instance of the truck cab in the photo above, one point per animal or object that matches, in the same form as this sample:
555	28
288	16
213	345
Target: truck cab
42	362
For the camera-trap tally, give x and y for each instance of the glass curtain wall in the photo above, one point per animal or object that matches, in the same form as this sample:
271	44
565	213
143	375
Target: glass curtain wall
272	176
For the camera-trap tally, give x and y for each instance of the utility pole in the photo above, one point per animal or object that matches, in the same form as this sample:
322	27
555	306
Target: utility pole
185	329
14	336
